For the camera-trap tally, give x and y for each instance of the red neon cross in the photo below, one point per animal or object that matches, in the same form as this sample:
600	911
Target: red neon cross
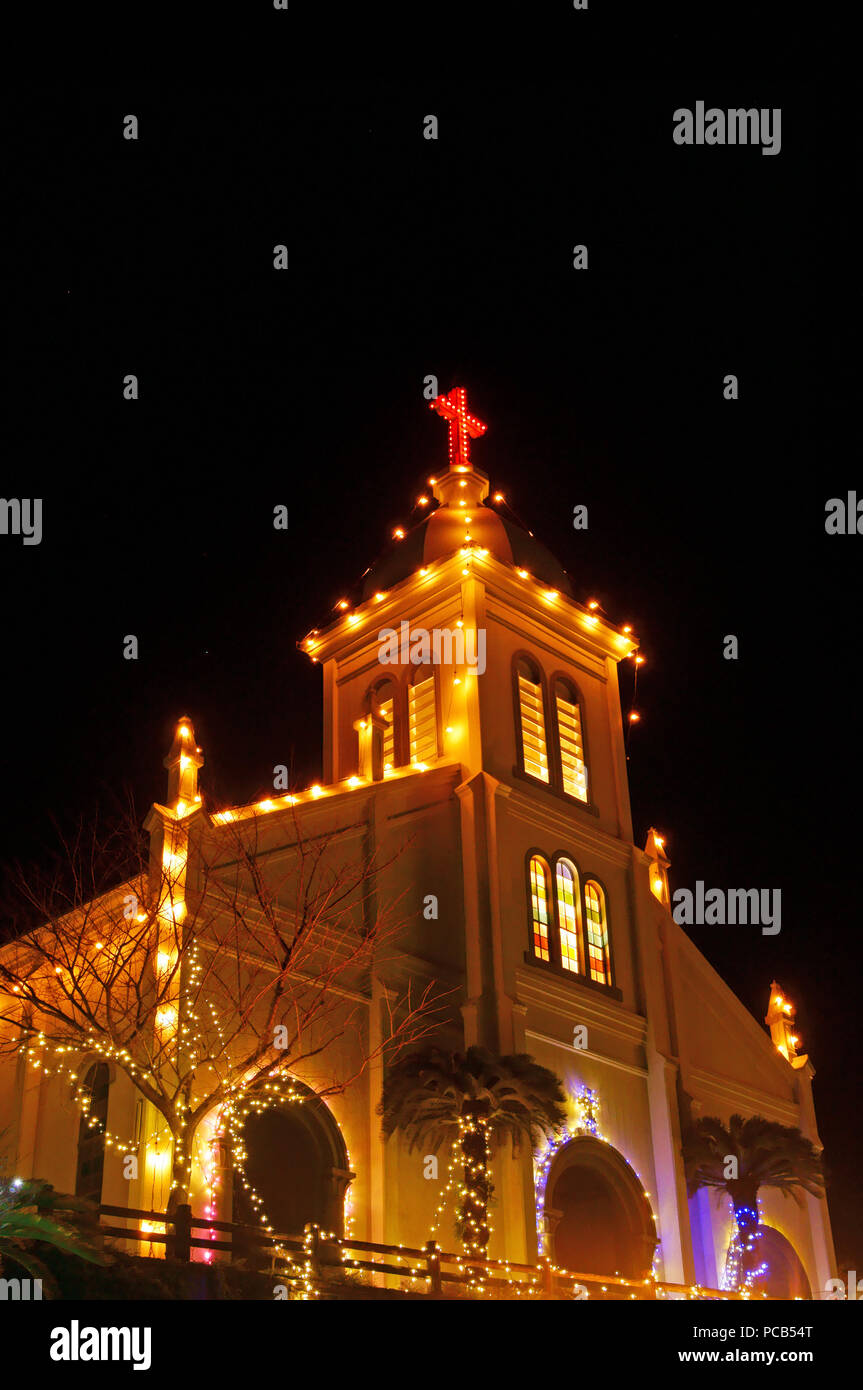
463	427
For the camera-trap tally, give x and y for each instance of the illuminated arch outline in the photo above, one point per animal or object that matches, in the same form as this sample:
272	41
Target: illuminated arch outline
586	1127
330	1146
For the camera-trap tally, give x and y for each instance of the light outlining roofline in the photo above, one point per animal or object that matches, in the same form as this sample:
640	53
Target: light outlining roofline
320	639
231	815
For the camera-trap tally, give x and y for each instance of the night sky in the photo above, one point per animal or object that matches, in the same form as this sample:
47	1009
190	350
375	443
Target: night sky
605	388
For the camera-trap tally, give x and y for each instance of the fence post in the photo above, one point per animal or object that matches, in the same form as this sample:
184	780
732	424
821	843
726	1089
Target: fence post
547	1275
433	1266
182	1219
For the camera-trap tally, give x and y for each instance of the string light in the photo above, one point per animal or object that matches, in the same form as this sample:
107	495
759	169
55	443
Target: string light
743	1270
585	1105
474	1189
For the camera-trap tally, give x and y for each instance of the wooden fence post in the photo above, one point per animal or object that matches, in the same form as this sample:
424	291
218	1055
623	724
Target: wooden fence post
433	1265
182	1219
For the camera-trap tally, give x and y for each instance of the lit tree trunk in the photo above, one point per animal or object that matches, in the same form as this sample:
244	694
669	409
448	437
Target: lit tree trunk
181	1163
179	1180
744	1197
473	1210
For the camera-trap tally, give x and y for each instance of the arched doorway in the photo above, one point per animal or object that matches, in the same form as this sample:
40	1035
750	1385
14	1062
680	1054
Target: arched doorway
598	1217
774	1266
297	1163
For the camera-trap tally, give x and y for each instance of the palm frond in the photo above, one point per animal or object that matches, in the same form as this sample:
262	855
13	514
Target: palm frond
768	1155
425	1093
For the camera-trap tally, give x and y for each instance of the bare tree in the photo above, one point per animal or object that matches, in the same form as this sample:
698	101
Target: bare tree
214	977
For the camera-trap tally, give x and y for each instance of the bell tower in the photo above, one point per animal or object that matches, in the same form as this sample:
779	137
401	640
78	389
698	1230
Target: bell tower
424	664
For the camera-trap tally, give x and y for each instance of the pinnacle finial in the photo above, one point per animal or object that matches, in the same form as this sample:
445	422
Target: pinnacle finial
183	762
781	1020
654	848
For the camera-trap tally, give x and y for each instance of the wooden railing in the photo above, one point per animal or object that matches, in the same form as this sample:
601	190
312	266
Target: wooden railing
314	1252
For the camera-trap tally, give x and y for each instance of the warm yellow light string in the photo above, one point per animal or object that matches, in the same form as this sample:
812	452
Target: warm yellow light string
234	1119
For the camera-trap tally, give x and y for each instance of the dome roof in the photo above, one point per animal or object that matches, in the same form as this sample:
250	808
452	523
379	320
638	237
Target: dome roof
462	516
443	532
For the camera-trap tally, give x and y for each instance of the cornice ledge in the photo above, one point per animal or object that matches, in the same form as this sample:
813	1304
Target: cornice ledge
739	1091
522	807
583	1005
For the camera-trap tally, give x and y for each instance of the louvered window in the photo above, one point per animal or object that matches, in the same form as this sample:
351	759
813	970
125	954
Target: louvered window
423	721
533	743
573	767
385	710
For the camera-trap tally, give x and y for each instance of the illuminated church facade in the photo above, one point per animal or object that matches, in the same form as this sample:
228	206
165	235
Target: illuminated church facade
492	776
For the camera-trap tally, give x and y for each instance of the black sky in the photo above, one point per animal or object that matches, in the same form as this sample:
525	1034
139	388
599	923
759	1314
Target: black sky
410	257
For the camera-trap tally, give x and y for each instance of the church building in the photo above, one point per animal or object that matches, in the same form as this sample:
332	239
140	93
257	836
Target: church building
474	743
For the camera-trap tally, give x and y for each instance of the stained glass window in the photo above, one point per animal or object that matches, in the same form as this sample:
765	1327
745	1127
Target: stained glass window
597	934
568	915
539	907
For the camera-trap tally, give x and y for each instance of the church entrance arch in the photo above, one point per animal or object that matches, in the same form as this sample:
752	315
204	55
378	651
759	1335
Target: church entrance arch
296	1163
599	1219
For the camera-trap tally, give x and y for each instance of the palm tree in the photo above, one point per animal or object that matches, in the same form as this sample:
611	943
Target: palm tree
766	1154
29	1213
473	1099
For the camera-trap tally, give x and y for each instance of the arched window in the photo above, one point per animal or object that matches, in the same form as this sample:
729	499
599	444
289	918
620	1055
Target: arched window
531	719
422	716
568	916
539	907
382	701
570	739
570	933
91	1133
598	961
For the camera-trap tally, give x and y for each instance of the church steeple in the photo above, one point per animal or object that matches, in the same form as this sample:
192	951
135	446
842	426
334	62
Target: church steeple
464	578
